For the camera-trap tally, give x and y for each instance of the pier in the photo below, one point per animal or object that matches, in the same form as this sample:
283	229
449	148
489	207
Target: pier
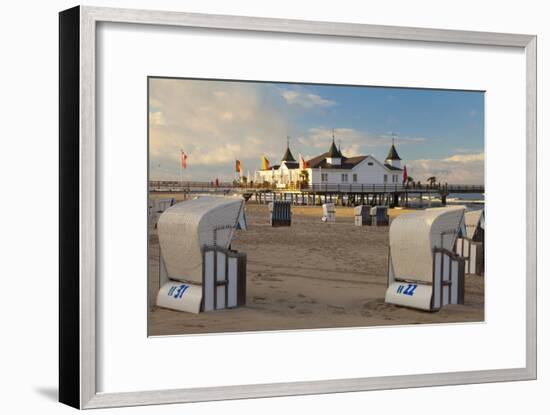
340	194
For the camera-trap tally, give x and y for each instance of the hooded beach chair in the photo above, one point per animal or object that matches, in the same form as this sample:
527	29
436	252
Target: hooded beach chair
471	245
362	215
198	269
157	206
423	270
280	213
379	216
329	212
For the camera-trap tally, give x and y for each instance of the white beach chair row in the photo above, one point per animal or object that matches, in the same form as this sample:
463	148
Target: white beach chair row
367	215
429	253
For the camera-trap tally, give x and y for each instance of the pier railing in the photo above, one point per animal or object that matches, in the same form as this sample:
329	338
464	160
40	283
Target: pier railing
189	186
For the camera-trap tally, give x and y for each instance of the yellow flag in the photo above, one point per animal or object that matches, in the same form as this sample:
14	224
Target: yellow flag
265	163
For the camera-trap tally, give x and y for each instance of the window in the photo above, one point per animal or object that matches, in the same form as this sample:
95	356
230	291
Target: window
344	178
324	177
395	178
370	163
354	178
385	178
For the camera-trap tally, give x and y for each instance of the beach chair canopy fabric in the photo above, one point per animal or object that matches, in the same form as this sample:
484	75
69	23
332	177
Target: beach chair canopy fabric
473	220
185	228
413	236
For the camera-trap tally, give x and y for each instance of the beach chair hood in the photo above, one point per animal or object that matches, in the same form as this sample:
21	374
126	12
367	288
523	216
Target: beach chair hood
187	227
473	219
413	236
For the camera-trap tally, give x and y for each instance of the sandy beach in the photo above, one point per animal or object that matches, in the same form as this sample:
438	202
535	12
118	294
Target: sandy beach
309	275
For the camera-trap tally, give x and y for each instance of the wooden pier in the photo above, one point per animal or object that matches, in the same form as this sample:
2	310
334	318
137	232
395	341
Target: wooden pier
340	194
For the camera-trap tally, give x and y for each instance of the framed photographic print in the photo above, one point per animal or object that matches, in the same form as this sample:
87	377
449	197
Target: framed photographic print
281	207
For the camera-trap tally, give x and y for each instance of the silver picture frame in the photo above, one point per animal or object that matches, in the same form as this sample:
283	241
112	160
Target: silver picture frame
77	278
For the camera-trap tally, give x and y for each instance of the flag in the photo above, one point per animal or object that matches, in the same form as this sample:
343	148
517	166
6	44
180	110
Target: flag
303	163
265	163
183	160
405	175
238	166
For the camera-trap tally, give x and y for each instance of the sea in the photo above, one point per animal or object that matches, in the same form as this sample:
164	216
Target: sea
472	201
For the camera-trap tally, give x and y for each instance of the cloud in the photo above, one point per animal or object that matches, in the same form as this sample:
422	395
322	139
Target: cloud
215	122
354	142
403	139
455	169
156	118
466	158
306	100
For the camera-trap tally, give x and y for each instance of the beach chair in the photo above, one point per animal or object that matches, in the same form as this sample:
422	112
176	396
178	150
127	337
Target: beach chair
198	270
280	213
362	215
329	213
471	245
379	216
157	206
424	272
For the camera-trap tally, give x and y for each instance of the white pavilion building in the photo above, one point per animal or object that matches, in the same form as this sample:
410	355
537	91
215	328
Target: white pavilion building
333	168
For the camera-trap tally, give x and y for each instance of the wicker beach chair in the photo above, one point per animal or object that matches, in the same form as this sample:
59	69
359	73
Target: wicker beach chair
362	215
280	213
157	206
424	272
471	245
329	213
198	270
379	216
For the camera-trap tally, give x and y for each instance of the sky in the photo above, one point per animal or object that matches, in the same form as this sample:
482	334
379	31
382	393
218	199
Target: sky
437	132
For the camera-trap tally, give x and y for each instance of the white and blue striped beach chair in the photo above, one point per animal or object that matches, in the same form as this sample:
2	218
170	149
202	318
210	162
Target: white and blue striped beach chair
280	213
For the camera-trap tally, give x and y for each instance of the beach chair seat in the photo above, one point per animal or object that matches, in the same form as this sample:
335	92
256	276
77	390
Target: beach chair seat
223	284
329	213
280	213
445	287
424	272
198	270
379	216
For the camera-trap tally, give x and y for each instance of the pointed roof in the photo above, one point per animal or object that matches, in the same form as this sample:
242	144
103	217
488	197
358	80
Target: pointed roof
392	154
333	150
288	155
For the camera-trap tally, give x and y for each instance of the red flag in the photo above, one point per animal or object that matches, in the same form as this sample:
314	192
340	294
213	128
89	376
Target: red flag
303	163
183	160
405	175
238	166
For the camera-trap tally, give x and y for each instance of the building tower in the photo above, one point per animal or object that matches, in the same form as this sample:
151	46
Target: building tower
287	157
393	159
334	156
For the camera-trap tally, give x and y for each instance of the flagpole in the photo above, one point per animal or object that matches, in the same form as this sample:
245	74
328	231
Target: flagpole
181	171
